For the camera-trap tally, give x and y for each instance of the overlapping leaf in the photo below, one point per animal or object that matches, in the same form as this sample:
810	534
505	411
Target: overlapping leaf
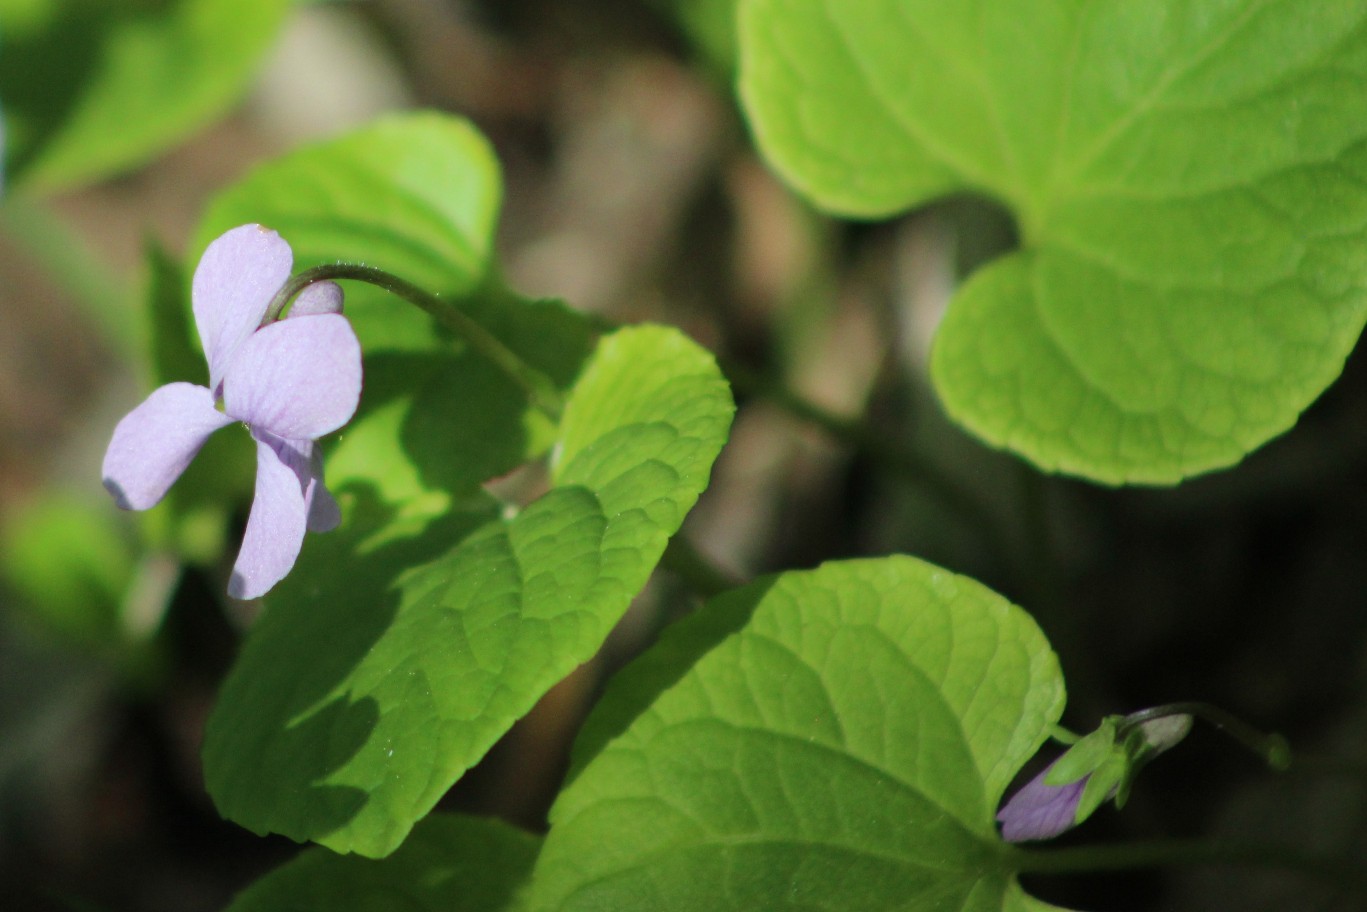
91	87
1187	179
449	864
367	689
841	741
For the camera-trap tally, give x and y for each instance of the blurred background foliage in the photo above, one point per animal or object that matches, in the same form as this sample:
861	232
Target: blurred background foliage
632	192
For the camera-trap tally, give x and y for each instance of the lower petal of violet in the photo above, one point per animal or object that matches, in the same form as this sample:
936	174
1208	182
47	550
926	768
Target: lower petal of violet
279	517
323	513
154	443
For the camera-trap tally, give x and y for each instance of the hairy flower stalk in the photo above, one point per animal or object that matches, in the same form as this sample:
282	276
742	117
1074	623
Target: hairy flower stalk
289	381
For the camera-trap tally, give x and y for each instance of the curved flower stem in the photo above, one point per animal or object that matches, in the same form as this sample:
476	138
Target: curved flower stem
1166	853
1273	748
540	389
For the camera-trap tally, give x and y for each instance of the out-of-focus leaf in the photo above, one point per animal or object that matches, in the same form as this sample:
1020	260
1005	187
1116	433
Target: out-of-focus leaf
71	562
92	87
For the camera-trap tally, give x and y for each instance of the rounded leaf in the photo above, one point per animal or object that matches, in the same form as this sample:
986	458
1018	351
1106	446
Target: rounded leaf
1187	182
839	739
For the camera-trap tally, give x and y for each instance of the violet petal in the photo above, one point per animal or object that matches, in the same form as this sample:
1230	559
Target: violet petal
297	379
1039	810
318	298
275	528
234	282
324	514
154	443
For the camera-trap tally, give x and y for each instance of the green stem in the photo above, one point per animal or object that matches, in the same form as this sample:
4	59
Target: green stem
1177	852
1273	748
540	389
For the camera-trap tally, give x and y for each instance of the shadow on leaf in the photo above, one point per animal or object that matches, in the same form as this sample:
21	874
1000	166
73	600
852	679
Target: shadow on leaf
285	722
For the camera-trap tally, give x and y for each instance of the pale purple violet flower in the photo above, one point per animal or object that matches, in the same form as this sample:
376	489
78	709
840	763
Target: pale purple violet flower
290	382
1040	810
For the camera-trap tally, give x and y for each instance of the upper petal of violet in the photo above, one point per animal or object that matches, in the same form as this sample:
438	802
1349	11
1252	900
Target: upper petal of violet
234	282
298	379
154	443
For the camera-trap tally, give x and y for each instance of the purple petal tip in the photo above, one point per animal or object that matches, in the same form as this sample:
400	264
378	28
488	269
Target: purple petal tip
1040	811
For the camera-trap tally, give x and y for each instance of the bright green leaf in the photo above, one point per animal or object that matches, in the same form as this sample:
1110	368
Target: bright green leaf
416	195
1188	182
841	741
92	87
449	864
367	688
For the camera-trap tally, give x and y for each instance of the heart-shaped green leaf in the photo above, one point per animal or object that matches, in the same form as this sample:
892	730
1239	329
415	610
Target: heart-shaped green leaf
1188	184
91	87
449	864
841	741
367	688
